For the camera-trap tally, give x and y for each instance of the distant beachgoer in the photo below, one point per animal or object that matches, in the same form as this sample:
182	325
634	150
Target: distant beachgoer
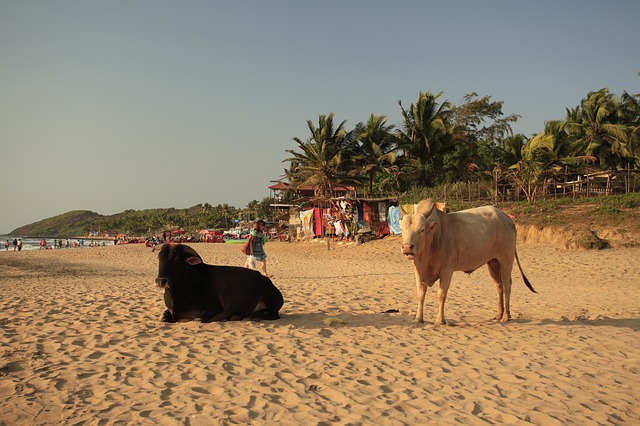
6	245
19	244
255	250
43	244
15	244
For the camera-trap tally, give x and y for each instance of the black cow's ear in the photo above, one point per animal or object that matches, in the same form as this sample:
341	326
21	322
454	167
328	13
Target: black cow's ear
193	260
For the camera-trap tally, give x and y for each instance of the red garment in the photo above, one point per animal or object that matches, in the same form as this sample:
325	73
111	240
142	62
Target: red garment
317	212
384	228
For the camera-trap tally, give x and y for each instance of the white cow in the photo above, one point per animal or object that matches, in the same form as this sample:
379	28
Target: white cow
440	243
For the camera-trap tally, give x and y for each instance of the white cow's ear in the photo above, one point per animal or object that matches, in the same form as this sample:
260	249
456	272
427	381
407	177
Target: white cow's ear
193	260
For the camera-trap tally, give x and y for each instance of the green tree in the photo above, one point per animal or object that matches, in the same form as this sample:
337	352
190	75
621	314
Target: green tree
377	148
324	160
509	153
224	215
478	127
631	115
426	133
479	119
529	172
262	208
598	129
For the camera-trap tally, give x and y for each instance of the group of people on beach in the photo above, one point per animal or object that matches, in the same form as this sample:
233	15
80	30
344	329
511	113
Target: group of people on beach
255	247
56	244
17	244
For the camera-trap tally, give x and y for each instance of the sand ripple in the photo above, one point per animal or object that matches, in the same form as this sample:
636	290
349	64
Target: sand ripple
81	343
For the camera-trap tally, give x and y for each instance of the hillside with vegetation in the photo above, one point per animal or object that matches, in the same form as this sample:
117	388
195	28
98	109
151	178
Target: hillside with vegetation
77	222
142	222
595	222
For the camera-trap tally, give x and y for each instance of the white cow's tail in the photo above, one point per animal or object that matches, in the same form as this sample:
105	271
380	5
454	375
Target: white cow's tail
524	277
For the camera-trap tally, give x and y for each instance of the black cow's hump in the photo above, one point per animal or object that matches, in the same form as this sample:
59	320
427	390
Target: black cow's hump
236	270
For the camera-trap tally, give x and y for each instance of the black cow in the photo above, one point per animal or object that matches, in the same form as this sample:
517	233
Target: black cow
193	289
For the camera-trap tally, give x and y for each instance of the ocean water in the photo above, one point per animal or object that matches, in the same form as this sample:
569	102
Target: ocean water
33	243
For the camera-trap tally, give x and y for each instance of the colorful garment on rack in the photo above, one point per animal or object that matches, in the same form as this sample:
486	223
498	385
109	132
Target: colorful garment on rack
306	220
394	220
318	218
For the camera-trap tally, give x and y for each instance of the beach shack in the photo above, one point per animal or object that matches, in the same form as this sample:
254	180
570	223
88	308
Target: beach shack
341	216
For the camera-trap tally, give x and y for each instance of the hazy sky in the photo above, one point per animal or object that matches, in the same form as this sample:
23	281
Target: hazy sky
115	105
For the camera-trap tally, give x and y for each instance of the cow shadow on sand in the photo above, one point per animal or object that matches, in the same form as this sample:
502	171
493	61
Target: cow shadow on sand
630	323
319	320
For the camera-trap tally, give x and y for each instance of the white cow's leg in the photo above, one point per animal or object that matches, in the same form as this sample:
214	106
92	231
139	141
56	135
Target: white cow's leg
505	278
421	291
507	298
494	271
445	281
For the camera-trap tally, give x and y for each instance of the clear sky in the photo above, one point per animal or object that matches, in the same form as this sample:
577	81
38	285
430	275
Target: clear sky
115	105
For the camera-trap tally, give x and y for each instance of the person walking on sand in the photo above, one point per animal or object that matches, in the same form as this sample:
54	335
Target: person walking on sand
15	244
6	245
19	244
255	248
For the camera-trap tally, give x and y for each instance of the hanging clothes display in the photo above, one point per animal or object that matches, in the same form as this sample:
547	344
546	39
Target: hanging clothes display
317	211
382	212
383	226
306	220
394	220
360	212
368	215
338	227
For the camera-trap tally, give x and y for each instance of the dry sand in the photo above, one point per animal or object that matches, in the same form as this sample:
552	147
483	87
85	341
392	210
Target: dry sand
82	343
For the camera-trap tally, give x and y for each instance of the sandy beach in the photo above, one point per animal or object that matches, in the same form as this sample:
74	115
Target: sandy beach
81	342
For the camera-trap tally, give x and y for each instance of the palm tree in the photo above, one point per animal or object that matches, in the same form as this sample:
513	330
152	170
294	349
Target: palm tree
631	112
377	149
597	128
510	149
509	154
527	174
426	131
322	160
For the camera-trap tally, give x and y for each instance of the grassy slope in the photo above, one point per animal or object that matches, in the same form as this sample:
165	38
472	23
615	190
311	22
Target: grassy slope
615	219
